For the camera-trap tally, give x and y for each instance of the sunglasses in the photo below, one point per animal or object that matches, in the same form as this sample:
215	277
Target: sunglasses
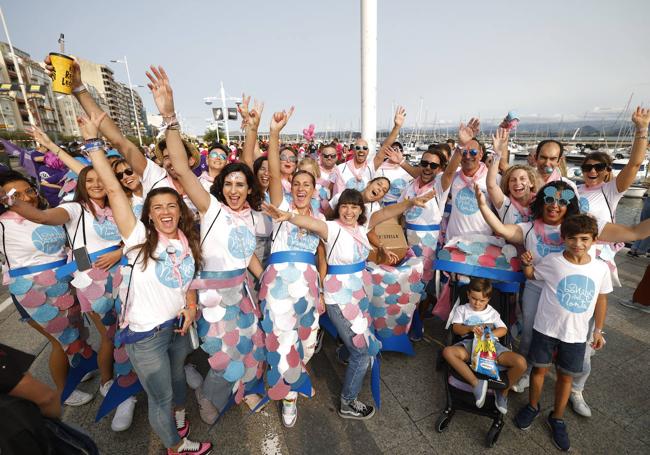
126	172
289	158
329	157
214	155
360	147
600	167
430	164
562	201
472	152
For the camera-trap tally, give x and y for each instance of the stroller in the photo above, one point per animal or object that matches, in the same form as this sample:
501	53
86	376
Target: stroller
459	393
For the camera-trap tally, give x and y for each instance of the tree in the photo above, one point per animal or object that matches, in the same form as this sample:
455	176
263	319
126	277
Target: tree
210	136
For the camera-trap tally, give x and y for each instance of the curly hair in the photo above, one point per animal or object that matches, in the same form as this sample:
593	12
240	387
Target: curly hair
185	224
254	198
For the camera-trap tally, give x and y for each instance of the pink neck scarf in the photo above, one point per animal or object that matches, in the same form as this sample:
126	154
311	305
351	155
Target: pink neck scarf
13	216
176	261
524	211
103	213
471	181
243	214
555	176
357	172
422	188
356	234
540	230
206	176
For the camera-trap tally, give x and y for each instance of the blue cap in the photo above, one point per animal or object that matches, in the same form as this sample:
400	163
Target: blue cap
113	153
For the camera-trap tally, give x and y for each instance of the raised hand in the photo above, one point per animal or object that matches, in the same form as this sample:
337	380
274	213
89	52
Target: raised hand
243	109
161	90
480	197
89	127
468	132
641	118
500	141
276	213
421	201
76	71
39	136
394	155
255	114
400	116
279	119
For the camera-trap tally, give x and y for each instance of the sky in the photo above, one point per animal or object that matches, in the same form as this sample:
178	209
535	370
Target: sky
545	59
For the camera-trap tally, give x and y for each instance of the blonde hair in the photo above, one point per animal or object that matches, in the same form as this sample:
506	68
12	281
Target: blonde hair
532	176
315	168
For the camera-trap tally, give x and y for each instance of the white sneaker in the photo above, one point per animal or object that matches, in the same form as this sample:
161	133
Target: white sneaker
289	412
104	388
124	415
88	376
193	377
78	398
522	384
579	404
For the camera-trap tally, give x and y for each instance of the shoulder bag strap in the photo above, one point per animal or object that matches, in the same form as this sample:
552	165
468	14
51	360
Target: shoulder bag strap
210	228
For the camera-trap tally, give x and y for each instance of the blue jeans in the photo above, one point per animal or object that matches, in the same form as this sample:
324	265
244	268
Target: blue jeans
158	361
642	246
529	301
359	360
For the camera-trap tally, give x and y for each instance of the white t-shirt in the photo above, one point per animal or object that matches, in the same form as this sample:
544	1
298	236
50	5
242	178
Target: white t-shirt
399	180
26	244
371	207
156	177
230	242
343	249
289	237
464	314
206	181
137	204
509	214
155	295
432	212
99	235
569	295
600	202
465	217
348	178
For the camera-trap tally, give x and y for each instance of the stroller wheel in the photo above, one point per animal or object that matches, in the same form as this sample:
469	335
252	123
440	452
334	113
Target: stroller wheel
493	435
443	422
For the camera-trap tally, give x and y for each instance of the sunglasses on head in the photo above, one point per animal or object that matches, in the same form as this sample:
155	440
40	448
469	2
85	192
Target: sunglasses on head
329	157
360	147
430	164
472	152
289	158
126	171
214	155
564	199
600	167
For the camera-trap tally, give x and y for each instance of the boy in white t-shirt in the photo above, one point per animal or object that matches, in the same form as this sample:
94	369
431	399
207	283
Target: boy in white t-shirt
473	317
575	288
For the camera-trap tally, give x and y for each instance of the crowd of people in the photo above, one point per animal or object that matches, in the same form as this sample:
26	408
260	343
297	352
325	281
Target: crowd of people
249	254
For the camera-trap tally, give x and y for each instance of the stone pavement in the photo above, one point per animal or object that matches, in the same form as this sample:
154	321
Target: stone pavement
412	398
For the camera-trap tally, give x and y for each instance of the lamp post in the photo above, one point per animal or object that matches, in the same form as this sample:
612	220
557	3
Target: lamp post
369	72
210	99
135	112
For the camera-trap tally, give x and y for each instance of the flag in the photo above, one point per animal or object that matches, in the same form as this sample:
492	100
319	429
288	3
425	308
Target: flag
232	113
217	112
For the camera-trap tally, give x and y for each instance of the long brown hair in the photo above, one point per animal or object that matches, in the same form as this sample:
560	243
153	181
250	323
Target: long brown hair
81	193
185	224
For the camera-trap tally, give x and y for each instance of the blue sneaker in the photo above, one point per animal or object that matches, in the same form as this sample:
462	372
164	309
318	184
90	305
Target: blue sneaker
501	402
480	391
559	434
524	418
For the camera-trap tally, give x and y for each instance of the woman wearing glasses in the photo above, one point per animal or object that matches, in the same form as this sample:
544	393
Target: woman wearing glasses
131	184
217	159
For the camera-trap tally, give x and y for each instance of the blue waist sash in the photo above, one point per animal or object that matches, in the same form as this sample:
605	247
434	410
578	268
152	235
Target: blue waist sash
128	336
386	204
345	269
423	227
35	268
222	275
71	267
292	256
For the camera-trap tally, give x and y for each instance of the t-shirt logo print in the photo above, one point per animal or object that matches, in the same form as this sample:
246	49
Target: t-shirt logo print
465	201
48	239
107	230
584	204
165	270
575	293
241	242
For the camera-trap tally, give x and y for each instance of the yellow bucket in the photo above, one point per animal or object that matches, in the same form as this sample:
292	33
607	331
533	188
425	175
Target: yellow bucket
62	76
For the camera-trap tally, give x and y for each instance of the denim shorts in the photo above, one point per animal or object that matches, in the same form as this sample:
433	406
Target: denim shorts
569	359
467	344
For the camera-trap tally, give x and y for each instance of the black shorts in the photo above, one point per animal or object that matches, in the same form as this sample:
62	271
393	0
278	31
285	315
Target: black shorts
569	359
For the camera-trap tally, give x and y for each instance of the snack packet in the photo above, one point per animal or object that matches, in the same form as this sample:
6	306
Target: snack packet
484	355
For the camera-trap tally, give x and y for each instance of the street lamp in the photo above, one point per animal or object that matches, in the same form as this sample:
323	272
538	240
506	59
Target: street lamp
210	99
135	112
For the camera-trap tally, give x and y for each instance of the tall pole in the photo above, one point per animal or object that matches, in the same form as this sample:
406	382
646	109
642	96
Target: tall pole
135	112
20	77
225	114
369	72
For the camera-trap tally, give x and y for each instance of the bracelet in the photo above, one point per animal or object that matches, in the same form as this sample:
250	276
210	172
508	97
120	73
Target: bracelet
402	162
526	265
599	331
173	125
95	144
641	137
170	117
93	139
82	88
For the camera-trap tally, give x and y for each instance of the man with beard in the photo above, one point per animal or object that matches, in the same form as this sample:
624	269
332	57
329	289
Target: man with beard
357	172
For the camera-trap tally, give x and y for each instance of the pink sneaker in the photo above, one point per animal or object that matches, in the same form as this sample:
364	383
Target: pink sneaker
182	424
191	448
